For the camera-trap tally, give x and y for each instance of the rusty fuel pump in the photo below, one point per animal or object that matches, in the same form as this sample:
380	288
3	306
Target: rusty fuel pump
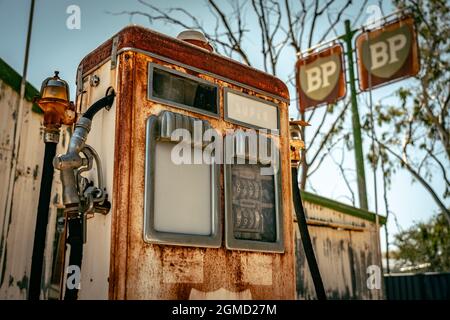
174	228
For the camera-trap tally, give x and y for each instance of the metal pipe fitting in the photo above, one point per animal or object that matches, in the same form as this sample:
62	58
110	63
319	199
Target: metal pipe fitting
72	160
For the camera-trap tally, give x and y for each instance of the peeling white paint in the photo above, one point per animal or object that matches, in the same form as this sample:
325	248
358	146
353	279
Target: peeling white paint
17	227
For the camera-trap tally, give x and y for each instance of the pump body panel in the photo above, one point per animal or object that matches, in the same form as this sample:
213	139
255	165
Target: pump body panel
142	267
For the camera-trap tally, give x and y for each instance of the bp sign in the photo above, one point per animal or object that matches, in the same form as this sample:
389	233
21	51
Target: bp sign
387	54
320	77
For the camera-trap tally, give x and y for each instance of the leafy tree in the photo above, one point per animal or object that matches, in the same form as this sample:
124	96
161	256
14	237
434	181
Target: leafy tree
414	134
425	243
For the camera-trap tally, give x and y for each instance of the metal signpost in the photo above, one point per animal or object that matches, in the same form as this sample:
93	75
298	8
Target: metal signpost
389	52
357	139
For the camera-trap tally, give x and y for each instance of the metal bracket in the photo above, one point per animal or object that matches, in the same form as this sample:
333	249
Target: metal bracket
93	199
115	44
79	79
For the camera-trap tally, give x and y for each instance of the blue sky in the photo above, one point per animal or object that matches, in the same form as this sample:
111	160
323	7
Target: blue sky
55	47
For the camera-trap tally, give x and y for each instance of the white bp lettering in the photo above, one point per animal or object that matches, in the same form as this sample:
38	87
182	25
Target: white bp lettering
319	77
386	52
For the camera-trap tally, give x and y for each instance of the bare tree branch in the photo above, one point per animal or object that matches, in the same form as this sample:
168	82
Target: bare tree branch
336	20
386	208
236	45
313	23
340	165
421	180
323	156
329	133
441	166
290	31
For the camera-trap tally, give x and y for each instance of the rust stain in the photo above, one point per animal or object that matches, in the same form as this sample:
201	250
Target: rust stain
184	268
181	51
149	271
121	187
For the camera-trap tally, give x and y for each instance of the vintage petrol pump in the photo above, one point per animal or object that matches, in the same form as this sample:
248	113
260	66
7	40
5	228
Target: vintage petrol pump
200	230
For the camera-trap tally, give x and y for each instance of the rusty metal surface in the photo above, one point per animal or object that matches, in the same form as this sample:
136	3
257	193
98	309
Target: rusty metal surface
344	246
122	197
148	271
184	52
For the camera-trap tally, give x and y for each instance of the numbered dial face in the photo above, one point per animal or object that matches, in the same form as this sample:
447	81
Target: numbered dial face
253	203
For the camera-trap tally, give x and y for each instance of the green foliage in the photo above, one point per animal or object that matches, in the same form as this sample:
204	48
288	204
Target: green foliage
427	242
414	133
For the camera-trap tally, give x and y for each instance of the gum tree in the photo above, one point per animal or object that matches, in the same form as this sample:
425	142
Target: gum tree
414	134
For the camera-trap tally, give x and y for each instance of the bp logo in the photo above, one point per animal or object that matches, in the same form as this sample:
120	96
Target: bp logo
319	78
384	55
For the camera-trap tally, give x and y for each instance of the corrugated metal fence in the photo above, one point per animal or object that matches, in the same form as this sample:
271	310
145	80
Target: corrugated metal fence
425	286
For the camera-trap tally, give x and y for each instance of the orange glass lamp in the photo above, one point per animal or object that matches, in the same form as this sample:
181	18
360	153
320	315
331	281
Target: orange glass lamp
296	144
55	103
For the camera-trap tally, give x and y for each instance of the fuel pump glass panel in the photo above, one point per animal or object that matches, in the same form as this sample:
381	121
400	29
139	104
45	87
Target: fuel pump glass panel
180	205
182	90
250	111
253	214
181	199
253	203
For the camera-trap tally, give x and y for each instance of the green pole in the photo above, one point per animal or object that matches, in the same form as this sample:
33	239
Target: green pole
359	157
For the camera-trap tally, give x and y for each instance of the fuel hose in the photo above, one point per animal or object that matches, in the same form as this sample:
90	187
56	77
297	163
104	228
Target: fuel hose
306	239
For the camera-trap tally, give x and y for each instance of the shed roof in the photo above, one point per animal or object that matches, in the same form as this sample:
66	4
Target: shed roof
341	207
12	78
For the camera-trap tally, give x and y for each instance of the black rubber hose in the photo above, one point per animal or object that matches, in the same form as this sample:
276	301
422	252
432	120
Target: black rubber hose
41	222
100	104
75	240
306	239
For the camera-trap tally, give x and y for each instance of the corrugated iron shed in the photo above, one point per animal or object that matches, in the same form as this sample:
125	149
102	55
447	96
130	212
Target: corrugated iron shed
345	243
